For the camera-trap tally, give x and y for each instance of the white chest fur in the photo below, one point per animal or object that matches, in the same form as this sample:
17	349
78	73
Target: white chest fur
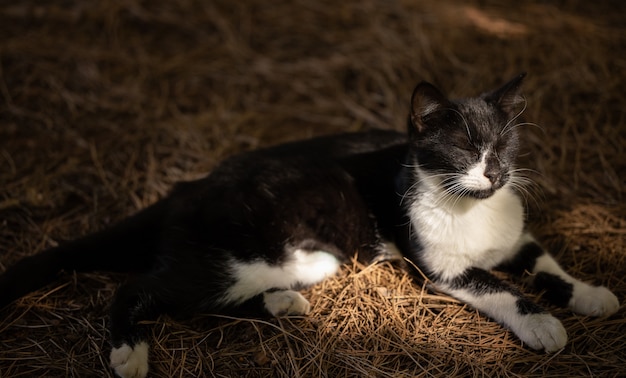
457	235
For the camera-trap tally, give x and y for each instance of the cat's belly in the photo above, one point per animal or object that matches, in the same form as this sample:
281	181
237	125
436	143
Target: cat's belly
471	234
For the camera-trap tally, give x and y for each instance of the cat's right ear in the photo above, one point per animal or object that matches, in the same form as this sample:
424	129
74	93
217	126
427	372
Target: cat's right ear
426	102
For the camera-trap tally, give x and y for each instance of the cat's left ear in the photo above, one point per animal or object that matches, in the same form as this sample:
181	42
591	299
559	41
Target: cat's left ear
509	96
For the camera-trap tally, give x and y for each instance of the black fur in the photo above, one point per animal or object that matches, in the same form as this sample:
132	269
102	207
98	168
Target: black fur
341	195
524	261
555	289
251	207
480	282
526	307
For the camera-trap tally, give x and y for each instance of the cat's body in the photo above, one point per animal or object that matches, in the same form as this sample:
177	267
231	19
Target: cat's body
268	222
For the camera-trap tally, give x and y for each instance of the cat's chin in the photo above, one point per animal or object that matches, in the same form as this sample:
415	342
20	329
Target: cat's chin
480	194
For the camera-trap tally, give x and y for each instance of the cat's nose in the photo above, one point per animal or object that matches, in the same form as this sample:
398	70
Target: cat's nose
493	170
493	175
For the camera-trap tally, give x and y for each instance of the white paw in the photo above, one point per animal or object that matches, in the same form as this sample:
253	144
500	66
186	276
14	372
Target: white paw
130	362
542	331
286	302
593	300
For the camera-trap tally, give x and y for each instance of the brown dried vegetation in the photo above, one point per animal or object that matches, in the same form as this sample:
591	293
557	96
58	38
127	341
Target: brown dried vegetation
104	105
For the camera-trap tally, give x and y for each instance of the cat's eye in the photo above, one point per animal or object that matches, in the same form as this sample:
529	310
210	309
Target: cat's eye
467	148
500	145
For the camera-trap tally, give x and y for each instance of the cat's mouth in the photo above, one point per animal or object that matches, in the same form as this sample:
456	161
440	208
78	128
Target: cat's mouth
474	192
486	192
481	188
481	194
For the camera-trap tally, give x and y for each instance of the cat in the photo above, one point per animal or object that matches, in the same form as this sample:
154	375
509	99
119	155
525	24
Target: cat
266	223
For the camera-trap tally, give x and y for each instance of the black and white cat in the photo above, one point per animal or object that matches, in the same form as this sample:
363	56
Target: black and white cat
265	223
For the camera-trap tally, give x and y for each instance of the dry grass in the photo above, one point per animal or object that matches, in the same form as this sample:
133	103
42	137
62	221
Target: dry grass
103	105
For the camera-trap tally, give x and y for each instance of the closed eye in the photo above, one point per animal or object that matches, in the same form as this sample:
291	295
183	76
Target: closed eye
468	149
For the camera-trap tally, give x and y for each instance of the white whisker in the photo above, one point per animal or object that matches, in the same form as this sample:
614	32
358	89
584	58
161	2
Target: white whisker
507	127
525	186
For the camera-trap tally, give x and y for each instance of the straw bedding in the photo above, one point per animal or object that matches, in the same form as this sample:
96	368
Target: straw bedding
104	105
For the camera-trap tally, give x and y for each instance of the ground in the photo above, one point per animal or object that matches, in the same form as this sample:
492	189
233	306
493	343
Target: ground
104	105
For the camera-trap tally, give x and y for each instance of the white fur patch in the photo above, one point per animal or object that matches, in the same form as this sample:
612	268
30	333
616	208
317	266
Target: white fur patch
130	362
286	302
303	268
586	299
457	233
475	178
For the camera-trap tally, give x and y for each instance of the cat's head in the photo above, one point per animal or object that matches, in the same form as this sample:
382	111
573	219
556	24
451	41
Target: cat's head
468	145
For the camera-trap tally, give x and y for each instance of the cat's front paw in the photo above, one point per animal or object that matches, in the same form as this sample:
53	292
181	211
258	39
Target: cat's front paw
542	331
593	300
130	362
286	302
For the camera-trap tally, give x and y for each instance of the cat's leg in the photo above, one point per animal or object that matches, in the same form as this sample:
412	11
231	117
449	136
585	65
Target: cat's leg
560	288
153	295
260	287
506	305
273	302
133	303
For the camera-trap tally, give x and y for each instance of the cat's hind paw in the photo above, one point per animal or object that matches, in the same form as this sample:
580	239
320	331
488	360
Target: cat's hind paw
543	331
130	362
286	302
593	300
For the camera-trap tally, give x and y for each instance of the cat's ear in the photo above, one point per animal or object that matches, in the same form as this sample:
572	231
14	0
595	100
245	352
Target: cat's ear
426	102
509	96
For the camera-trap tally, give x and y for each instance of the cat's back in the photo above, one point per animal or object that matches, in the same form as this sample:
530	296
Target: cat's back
337	145
311	162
